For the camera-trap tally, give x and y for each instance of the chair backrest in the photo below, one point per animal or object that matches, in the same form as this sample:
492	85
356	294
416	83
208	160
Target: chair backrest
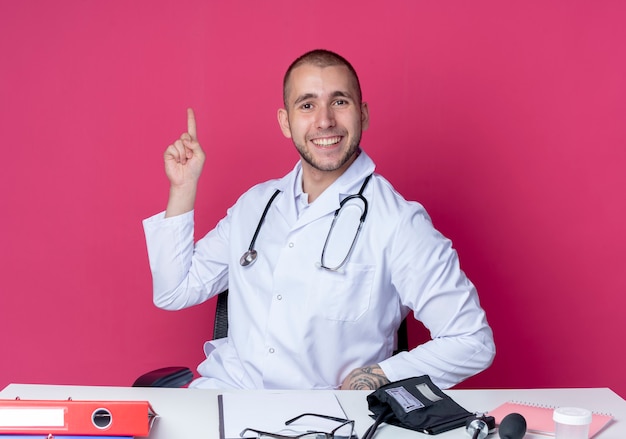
220	326
403	338
181	376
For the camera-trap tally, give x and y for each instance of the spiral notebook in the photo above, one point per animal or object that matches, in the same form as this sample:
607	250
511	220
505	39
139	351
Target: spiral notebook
539	417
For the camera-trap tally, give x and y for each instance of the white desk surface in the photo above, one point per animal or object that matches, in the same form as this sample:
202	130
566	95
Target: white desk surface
193	413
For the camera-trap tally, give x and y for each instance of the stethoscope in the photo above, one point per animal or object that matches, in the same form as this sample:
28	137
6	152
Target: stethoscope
250	256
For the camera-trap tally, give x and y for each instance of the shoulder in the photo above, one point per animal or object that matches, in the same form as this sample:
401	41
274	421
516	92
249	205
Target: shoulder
389	202
264	189
260	194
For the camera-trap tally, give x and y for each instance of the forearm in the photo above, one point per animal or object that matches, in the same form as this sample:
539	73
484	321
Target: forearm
447	360
170	250
185	273
365	378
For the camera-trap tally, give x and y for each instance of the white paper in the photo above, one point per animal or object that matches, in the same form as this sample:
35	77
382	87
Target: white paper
268	411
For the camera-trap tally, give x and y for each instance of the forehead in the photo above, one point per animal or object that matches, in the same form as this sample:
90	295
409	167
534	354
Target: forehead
309	79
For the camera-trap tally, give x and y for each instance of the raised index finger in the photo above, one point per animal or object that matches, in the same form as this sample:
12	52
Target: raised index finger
191	124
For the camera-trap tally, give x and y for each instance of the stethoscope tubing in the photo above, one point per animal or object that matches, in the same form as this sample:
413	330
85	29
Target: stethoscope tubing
332	226
249	257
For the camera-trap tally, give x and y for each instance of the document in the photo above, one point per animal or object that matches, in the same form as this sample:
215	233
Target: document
268	411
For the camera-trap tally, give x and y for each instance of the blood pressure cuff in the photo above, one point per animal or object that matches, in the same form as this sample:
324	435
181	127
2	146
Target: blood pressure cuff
417	404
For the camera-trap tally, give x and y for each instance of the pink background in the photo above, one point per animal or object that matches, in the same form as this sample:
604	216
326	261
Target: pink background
507	120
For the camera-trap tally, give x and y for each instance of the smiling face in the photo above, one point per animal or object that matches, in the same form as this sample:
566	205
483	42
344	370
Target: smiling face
324	117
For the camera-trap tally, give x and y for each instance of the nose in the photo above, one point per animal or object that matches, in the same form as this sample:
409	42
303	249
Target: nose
325	117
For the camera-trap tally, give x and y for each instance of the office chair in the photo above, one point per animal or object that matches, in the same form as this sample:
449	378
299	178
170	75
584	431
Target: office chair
181	376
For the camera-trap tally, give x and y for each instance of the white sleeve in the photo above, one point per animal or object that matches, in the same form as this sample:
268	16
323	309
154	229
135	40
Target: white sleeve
429	280
183	273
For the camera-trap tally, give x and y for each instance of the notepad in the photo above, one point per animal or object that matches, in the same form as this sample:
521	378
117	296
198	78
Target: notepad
539	417
268	411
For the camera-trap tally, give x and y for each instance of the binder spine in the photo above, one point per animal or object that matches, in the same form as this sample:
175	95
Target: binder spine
69	417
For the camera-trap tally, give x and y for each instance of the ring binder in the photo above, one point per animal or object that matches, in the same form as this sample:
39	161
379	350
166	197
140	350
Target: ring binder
57	436
74	417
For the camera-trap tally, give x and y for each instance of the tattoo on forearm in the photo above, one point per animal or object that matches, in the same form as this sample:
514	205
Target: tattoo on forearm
368	378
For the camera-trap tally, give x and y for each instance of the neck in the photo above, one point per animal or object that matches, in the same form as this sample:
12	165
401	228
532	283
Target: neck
315	182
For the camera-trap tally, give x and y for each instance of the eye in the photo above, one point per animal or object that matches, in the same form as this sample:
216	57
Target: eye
341	102
306	106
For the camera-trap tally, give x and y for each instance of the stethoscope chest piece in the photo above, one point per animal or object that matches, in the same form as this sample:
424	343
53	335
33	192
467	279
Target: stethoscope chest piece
250	255
248	258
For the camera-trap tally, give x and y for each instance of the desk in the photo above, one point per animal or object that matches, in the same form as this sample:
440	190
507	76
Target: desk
193	414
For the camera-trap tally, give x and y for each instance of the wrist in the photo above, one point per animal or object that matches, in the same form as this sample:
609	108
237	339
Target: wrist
181	200
365	378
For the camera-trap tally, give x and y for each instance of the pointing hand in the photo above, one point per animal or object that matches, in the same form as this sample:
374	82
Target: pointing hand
185	158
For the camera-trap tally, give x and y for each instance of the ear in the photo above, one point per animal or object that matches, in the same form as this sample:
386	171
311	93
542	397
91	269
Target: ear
283	121
365	116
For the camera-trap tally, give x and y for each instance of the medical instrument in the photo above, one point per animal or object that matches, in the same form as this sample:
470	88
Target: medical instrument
250	256
358	196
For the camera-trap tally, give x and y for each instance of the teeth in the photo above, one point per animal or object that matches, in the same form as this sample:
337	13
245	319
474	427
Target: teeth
327	141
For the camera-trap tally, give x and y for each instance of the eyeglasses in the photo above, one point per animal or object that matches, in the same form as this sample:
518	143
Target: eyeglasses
344	431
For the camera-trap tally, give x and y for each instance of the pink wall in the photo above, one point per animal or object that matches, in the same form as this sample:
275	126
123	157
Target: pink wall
505	119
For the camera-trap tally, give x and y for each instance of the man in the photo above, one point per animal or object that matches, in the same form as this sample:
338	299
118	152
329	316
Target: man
315	304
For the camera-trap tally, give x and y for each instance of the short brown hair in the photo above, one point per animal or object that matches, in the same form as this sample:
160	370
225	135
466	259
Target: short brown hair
320	58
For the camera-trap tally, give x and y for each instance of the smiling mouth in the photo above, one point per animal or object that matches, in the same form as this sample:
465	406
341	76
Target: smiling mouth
326	141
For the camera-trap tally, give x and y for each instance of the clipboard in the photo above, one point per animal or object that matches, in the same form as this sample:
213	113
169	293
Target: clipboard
268	411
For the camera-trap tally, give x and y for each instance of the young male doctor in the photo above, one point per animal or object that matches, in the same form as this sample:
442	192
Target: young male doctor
322	264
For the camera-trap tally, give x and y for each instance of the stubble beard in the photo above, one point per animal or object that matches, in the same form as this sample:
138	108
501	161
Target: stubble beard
309	158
